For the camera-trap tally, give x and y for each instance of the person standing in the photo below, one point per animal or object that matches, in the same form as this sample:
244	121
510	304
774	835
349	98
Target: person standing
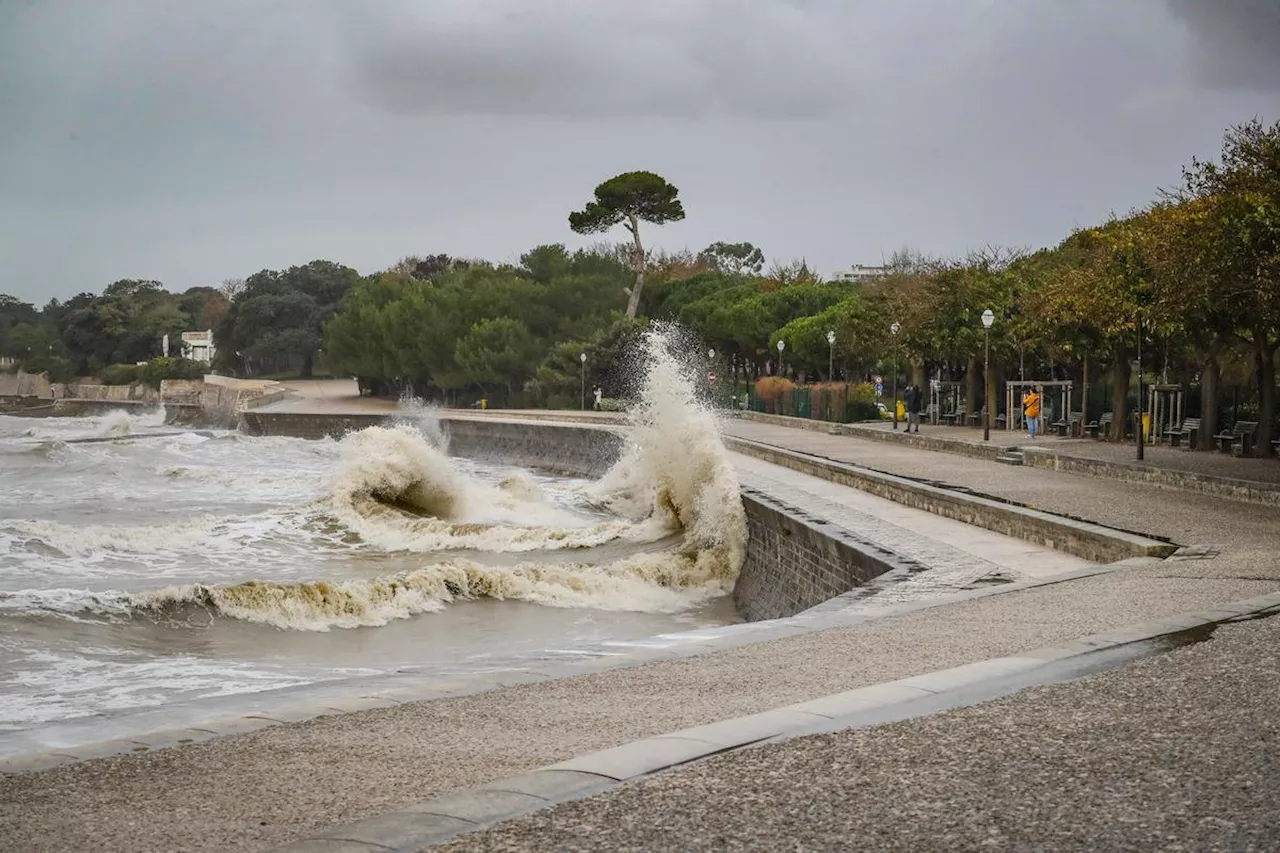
599	403
915	402
1031	411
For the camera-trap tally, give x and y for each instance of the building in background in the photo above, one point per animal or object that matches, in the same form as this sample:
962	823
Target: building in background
198	346
860	274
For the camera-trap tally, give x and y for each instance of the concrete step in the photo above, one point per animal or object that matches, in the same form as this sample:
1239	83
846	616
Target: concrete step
1010	457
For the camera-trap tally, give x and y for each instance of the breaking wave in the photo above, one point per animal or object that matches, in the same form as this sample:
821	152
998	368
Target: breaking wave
395	489
645	582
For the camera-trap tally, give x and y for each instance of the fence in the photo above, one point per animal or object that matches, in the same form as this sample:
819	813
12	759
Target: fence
836	402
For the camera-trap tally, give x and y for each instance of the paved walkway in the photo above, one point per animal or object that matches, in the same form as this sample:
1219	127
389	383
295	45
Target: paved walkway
1209	463
1163	755
1247	534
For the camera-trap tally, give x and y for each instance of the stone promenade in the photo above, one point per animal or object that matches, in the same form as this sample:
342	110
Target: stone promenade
1175	752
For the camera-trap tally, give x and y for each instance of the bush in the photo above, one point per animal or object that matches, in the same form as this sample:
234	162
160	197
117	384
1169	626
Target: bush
158	369
119	374
151	373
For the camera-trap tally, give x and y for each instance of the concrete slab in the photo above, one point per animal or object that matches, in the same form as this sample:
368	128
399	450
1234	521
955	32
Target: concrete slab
970	674
552	784
754	727
862	699
331	845
400	831
640	757
479	805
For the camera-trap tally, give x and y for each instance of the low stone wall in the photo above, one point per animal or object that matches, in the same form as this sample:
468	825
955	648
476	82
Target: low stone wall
923	441
795	562
1250	491
574	450
305	425
829	427
22	384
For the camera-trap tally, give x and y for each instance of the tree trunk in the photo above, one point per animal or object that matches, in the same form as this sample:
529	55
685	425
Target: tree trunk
1209	373
638	264
971	386
308	362
917	374
1120	370
1265	369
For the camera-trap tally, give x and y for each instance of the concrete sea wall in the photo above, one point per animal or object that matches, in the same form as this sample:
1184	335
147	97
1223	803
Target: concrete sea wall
793	562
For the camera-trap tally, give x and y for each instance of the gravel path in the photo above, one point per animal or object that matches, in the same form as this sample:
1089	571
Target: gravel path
1175	753
255	791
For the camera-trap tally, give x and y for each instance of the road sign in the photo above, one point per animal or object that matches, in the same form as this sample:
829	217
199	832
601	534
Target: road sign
879	389
879	380
711	376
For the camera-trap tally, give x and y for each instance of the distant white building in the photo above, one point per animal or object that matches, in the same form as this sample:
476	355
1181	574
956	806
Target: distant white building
860	274
198	346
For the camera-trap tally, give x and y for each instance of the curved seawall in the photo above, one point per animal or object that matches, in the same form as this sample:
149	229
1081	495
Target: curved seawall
793	562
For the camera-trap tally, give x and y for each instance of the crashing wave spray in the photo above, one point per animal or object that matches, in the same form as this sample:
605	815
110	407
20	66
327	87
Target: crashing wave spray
676	464
114	424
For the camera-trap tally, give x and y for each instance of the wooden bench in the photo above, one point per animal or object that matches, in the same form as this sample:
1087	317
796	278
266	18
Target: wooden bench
1101	425
1189	428
1242	434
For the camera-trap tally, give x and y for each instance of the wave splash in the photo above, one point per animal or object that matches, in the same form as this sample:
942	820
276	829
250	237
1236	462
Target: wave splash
398	491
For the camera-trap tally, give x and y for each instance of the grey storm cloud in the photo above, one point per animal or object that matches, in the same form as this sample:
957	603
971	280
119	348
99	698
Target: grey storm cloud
664	58
1237	42
194	141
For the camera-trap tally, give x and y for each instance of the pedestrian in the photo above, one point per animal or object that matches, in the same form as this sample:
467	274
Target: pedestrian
915	402
599	403
1031	410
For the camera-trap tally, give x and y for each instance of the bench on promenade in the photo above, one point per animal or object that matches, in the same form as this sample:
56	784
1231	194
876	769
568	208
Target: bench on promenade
1189	428
1101	425
1241	434
1070	426
955	418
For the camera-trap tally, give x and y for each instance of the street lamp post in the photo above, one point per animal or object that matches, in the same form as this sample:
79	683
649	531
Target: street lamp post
781	346
895	328
987	319
831	356
1137	366
582	383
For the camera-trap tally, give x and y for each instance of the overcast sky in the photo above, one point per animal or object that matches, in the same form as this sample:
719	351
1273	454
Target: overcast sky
196	141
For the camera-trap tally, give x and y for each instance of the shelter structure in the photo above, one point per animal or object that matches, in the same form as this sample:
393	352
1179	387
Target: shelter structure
1165	405
1055	400
945	399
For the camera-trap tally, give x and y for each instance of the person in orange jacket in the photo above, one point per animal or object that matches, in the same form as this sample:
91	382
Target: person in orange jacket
1031	411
